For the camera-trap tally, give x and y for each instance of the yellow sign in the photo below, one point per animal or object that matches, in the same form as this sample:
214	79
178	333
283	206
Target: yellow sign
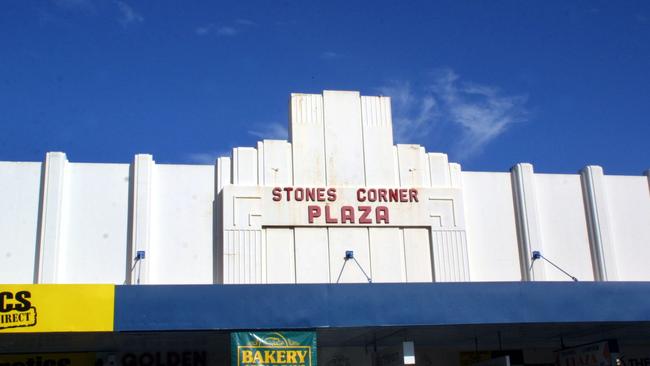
56	308
54	359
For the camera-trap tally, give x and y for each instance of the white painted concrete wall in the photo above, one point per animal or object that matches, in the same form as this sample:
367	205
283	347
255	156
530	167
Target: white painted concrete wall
19	200
312	255
94	224
67	222
564	226
491	228
181	229
629	212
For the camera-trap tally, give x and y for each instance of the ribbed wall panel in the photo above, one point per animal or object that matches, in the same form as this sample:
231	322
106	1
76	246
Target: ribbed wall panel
307	139
307	109
377	129
376	111
450	255
243	256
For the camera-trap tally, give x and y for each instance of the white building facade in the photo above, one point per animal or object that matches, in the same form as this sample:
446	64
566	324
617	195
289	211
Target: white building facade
460	262
287	211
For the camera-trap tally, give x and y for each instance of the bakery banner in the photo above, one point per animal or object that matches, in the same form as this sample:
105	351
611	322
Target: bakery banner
273	348
56	308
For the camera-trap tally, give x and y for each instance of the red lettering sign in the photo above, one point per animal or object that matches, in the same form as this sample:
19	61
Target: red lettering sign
365	215
312	213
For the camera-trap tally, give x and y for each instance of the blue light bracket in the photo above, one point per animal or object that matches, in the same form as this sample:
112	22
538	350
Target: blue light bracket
349	254
140	254
538	255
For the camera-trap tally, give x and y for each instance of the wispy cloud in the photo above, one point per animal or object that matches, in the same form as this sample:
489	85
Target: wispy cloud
415	114
204	29
209	157
476	113
330	55
271	131
128	16
246	22
225	30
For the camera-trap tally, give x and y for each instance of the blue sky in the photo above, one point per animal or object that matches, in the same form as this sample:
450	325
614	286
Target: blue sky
555	83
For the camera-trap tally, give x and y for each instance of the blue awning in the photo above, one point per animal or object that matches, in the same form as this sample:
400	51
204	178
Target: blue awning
230	307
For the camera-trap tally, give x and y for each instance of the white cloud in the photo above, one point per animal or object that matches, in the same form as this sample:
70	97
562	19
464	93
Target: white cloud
246	22
414	114
209	157
227	31
478	113
330	55
271	131
203	30
128	16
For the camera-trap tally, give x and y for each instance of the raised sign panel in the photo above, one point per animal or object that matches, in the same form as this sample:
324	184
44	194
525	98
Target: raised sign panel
255	207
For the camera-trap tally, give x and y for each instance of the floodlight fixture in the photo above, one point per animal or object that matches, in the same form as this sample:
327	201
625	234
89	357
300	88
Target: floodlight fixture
538	255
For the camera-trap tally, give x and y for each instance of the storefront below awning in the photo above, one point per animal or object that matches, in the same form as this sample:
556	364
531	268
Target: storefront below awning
368	346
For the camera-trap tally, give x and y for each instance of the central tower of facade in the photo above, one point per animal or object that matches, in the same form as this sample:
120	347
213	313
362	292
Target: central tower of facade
289	210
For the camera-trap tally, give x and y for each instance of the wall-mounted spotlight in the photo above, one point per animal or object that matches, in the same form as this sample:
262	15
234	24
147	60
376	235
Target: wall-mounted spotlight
538	255
139	255
349	255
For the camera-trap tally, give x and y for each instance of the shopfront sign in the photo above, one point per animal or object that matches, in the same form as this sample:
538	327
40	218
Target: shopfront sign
273	348
56	308
49	359
367	208
595	354
162	358
249	207
514	357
